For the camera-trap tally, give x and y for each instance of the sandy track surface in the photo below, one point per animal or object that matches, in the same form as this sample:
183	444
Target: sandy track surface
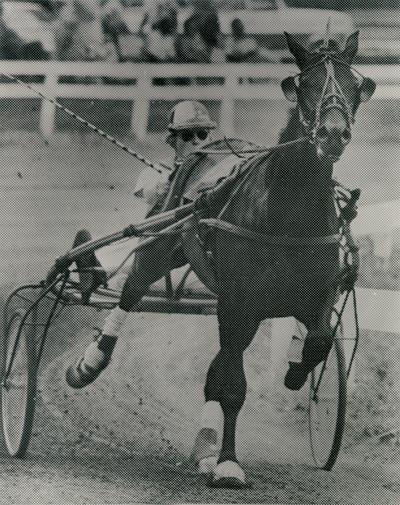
127	437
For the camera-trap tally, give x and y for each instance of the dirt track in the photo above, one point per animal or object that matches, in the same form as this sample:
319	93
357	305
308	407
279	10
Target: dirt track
127	438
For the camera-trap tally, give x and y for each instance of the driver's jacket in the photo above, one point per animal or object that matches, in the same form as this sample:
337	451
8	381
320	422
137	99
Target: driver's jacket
153	186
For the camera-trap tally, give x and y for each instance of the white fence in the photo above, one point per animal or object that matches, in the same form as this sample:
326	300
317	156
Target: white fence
240	82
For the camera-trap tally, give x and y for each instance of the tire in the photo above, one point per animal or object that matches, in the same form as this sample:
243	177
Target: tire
18	391
327	409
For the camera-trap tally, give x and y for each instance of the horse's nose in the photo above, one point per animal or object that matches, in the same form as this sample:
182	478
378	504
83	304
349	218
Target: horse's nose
334	129
334	135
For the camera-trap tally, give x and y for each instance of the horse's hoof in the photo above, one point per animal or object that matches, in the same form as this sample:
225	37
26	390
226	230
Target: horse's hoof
207	465
296	376
229	474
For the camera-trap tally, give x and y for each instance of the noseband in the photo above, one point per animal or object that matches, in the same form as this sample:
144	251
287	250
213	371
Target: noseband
332	96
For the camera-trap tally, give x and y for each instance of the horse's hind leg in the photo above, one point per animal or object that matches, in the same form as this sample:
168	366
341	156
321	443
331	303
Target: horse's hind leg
226	384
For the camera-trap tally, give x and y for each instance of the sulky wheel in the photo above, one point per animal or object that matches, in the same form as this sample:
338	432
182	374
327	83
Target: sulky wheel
327	406
18	382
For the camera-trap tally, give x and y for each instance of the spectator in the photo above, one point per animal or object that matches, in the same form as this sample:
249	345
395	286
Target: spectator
12	47
79	33
190	46
240	47
34	51
205	14
155	11
114	27
160	41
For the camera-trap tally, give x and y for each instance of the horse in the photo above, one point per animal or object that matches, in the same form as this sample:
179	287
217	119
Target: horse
275	244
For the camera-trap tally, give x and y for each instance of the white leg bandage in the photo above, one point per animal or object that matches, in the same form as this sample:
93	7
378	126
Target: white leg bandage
93	356
295	352
211	416
114	322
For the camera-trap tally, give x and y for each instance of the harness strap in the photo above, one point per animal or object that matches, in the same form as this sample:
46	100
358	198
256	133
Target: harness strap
269	239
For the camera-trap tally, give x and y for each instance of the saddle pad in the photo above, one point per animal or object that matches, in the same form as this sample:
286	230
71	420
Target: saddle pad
202	179
203	171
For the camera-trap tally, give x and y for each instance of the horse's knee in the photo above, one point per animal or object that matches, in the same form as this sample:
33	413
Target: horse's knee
226	381
232	399
213	381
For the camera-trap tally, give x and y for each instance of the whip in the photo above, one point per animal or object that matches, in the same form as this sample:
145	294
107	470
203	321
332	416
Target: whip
94	128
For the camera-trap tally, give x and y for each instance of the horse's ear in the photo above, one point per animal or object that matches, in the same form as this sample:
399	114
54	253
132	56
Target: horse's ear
367	89
351	47
301	54
289	89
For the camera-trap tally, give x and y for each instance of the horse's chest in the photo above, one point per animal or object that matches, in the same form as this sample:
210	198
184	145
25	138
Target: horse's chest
252	265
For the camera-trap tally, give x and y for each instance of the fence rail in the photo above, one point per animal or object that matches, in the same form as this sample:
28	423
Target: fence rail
236	82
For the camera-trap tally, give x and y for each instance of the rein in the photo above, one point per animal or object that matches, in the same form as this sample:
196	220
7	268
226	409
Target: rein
257	150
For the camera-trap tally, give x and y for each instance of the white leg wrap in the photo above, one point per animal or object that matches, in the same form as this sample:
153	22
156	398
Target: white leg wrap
295	352
207	465
114	322
93	356
211	416
229	469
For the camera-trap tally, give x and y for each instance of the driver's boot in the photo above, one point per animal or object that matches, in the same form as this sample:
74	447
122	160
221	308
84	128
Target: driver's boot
89	280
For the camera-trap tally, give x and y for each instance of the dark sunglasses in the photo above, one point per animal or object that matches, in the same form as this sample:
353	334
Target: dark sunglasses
188	135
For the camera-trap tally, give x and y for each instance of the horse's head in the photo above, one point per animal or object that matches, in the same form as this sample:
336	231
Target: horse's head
328	91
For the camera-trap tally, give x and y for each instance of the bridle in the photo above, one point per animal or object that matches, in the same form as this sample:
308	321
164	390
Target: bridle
332	96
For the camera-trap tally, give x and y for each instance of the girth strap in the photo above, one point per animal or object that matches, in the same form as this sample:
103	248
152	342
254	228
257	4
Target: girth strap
269	239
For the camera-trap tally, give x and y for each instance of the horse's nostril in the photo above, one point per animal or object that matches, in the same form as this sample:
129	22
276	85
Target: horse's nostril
323	133
346	135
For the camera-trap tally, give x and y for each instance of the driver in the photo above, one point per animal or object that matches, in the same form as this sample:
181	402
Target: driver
190	127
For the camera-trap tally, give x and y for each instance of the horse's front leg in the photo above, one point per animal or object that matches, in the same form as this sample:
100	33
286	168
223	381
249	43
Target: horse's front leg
226	384
205	450
317	344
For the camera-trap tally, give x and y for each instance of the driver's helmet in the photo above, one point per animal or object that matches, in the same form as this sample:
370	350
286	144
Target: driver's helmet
190	114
